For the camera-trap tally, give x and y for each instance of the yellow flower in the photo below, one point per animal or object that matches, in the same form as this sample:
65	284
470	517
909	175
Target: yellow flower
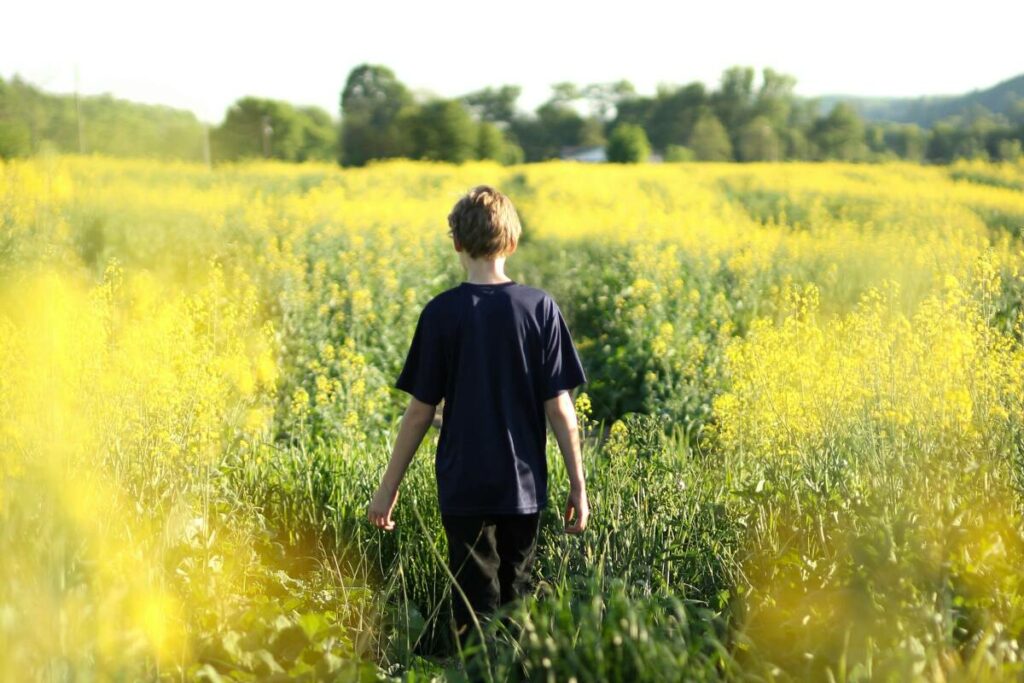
300	402
583	406
266	369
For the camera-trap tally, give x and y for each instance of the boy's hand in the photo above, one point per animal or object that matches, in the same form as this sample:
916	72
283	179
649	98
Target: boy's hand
578	507
381	506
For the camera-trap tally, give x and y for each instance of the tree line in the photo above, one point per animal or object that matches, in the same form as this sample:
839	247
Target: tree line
744	119
33	121
748	117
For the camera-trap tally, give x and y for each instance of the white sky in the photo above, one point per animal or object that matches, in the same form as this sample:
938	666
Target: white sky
204	55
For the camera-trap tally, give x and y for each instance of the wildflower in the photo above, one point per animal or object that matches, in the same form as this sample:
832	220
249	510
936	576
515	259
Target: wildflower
300	402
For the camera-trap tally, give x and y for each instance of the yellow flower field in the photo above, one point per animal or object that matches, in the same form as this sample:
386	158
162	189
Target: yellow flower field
805	378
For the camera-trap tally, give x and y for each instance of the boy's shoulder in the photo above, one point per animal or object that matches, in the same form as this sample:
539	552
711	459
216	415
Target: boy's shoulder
519	293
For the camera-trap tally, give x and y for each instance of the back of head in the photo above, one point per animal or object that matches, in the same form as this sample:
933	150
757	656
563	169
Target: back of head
485	223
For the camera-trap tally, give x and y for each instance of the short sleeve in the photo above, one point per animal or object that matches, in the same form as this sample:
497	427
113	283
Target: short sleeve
423	375
562	369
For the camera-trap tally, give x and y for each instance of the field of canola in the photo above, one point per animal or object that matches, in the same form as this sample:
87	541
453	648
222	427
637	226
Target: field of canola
804	426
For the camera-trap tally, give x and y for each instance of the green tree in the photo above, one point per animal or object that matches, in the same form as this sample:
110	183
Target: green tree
1009	150
592	132
974	134
443	130
25	113
874	139
943	141
635	109
554	125
759	141
628	144
15	139
375	107
604	97
490	142
674	113
494	105
563	126
775	98
675	153
840	135
795	136
319	135
710	140
512	154
906	140
565	92
734	100
493	144
255	127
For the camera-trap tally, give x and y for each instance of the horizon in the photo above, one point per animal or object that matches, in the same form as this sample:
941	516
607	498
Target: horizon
182	65
335	113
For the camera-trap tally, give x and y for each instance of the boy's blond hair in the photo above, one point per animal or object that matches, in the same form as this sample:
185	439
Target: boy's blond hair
485	223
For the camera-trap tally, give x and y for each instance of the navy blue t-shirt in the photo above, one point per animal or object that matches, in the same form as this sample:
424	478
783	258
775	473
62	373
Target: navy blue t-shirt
494	353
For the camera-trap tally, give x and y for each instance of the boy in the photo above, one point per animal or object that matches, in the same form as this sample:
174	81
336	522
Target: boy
500	355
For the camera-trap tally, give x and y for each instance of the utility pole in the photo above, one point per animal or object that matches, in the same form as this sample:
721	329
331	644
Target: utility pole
206	145
267	130
78	114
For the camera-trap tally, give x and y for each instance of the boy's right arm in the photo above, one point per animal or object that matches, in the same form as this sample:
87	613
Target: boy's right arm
562	416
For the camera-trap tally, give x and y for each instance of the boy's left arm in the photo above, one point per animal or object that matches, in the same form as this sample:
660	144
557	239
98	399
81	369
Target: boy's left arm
415	423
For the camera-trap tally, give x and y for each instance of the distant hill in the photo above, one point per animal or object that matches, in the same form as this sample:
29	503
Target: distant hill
31	119
1006	98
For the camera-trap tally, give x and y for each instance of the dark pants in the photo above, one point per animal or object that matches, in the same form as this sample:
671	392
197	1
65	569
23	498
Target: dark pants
491	557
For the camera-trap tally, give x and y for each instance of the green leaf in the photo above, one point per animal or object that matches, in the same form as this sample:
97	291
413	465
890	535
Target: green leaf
289	643
313	623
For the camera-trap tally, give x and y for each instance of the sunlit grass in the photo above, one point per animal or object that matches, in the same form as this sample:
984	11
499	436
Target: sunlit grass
803	420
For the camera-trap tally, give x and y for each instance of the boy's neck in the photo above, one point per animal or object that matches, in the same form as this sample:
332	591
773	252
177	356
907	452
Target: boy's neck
485	271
